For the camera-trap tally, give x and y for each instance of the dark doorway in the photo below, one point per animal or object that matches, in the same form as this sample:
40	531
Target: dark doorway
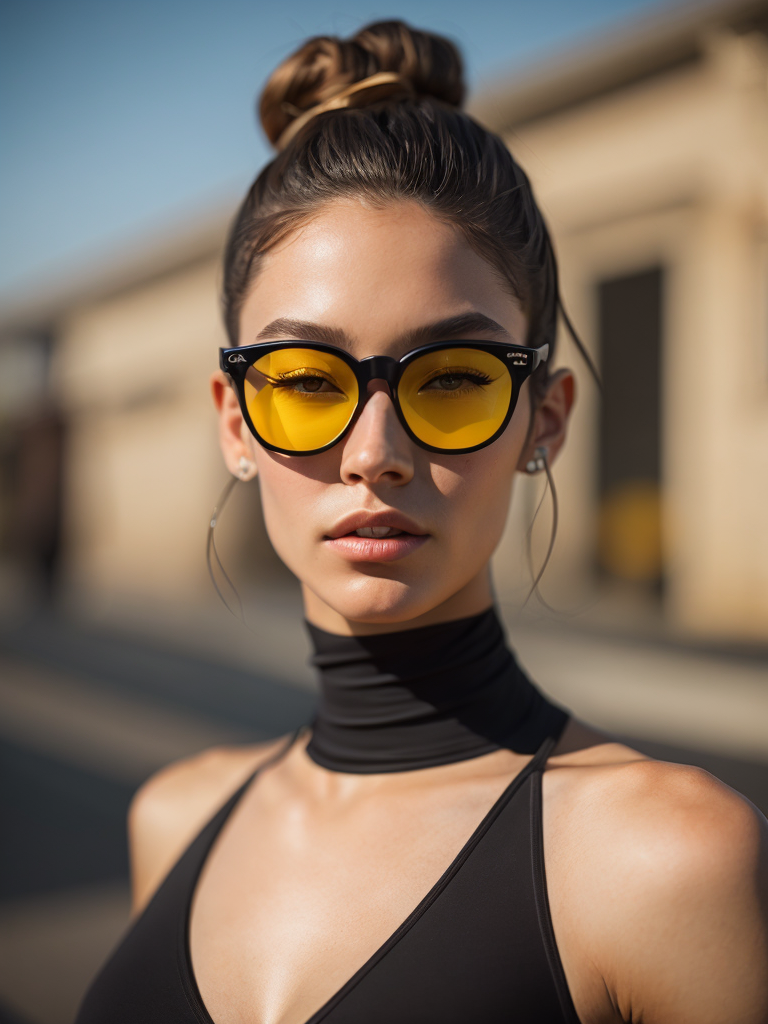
32	457
630	322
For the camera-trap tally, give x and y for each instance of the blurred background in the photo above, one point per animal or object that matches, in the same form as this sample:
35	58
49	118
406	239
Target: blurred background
129	138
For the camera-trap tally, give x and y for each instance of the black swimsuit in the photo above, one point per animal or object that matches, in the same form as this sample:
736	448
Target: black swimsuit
479	948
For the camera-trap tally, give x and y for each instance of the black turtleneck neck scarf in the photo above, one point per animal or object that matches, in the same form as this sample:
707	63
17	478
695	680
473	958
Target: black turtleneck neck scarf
395	702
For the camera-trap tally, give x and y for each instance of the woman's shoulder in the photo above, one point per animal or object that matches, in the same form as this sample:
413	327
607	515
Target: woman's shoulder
673	869
171	807
602	784
650	823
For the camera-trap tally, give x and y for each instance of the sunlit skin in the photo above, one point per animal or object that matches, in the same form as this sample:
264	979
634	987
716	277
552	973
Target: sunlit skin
656	873
376	276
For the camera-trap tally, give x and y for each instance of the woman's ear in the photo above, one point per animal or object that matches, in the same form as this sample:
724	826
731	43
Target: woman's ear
550	418
234	436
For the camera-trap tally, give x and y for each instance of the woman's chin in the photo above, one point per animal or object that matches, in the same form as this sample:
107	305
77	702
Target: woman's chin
369	602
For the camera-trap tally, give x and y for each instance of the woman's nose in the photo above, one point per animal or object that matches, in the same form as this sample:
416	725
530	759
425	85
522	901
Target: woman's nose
377	449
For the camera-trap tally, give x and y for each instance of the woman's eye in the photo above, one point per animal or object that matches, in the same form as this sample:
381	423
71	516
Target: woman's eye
311	384
306	384
454	382
449	383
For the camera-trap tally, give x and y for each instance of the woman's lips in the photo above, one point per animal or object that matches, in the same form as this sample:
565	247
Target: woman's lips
387	536
375	549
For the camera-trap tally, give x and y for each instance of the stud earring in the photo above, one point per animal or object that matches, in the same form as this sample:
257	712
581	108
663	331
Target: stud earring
245	467
538	462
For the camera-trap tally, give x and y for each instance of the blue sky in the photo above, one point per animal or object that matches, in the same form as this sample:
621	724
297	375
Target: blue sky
121	118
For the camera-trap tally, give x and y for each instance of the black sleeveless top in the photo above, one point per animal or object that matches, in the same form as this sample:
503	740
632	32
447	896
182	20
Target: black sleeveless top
478	949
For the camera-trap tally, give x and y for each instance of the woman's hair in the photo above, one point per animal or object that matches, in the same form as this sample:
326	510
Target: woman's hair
400	136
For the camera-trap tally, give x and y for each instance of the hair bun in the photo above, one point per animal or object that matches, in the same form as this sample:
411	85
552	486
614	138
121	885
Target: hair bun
324	66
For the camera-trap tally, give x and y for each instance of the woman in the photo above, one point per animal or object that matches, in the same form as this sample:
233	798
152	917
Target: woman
443	844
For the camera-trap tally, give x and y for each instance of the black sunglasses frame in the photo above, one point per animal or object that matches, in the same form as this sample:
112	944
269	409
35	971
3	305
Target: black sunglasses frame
519	361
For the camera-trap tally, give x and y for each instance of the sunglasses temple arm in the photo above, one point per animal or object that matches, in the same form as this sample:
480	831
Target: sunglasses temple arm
540	355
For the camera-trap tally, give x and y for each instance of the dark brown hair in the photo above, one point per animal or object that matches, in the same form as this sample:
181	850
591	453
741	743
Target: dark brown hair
416	145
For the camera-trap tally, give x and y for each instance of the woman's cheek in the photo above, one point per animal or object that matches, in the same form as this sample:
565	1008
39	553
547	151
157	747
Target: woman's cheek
483	525
288	530
477	500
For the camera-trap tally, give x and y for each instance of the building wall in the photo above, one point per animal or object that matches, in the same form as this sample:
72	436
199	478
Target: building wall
674	171
143	467
670	172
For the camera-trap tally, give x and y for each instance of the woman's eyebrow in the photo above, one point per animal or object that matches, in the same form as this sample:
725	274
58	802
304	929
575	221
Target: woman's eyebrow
304	330
462	325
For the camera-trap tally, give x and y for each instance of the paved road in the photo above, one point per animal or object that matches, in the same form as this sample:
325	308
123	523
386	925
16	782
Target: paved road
85	716
84	719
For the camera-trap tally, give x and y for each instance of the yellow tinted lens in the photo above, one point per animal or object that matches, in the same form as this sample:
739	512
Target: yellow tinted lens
300	399
455	397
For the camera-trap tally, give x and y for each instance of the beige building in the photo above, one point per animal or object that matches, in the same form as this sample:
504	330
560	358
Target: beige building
650	158
649	154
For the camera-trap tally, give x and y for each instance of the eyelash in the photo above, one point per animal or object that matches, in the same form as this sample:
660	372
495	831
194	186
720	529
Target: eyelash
285	380
481	379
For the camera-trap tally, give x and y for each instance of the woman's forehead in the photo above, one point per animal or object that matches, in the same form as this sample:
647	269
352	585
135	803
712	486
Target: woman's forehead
377	275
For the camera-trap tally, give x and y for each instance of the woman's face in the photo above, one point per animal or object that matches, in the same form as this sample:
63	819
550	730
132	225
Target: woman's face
372	280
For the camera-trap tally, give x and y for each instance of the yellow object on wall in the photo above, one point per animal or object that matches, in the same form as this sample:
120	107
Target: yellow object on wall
630	532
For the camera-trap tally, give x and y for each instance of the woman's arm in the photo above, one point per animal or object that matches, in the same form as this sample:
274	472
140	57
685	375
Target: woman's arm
697	912
672	915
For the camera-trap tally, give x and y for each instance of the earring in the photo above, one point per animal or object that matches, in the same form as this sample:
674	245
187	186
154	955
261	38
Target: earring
245	468
538	462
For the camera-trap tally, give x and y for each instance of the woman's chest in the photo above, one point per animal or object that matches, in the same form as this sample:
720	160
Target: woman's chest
290	906
441	918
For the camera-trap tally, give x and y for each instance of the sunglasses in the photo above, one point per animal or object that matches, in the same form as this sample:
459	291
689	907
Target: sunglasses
301	397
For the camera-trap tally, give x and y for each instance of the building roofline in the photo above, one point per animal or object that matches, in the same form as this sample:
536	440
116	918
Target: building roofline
611	61
651	45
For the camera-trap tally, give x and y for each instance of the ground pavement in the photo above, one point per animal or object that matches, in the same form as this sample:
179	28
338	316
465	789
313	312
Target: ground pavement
87	714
